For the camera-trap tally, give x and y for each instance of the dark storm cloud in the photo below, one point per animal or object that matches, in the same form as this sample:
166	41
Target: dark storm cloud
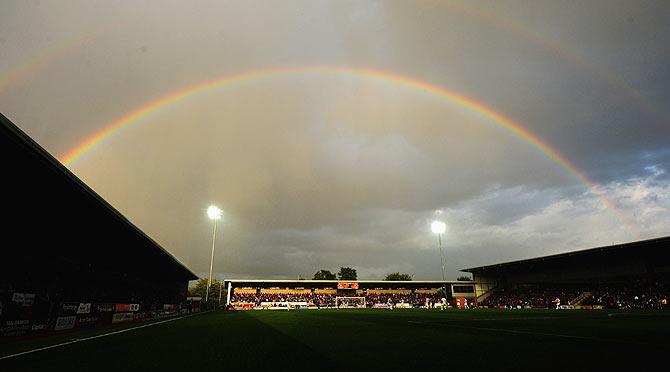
326	171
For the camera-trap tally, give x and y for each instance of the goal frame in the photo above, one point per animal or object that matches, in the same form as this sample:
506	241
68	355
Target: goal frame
338	299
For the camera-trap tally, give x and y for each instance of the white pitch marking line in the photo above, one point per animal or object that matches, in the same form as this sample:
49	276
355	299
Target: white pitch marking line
92	337
634	315
533	318
541	334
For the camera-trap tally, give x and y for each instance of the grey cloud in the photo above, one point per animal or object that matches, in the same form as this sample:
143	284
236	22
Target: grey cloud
318	171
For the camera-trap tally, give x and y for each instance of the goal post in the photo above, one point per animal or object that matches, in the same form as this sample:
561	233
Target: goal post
350	302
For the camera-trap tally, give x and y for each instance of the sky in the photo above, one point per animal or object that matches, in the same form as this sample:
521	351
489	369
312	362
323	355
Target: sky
331	133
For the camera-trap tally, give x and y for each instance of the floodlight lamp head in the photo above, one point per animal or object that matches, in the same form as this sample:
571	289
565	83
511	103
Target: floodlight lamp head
438	227
214	213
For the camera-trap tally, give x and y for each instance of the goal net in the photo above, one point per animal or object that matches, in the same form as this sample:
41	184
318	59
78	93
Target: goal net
349	302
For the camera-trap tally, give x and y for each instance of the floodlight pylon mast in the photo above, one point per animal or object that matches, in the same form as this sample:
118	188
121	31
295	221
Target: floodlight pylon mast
214	213
211	263
439	228
444	276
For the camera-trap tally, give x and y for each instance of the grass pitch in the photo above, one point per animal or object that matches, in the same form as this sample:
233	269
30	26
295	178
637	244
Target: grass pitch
371	340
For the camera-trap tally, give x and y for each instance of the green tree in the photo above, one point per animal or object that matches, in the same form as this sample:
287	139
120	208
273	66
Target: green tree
347	273
200	289
463	279
398	276
324	275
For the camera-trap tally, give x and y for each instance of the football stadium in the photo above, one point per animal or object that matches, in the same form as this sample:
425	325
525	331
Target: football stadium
605	307
317	185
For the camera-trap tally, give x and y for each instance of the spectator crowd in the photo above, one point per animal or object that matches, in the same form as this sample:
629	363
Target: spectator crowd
629	295
531	297
328	300
636	295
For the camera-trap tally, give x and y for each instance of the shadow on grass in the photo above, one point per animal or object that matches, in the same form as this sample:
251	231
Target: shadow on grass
209	342
502	341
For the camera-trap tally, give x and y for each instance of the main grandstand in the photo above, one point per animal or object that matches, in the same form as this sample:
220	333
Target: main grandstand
277	294
70	259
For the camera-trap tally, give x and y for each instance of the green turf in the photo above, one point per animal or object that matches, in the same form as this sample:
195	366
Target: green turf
371	340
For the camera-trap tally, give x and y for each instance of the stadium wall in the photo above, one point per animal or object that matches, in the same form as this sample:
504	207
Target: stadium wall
64	245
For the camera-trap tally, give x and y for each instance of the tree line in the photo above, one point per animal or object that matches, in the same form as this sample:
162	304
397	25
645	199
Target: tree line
200	288
348	273
345	273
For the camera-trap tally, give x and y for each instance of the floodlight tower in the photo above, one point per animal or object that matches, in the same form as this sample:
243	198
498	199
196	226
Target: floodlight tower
214	213
439	228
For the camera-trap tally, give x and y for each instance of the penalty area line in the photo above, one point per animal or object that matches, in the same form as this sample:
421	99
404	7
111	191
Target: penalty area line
94	337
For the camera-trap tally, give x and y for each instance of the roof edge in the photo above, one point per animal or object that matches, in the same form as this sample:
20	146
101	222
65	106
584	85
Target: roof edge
79	183
568	254
344	280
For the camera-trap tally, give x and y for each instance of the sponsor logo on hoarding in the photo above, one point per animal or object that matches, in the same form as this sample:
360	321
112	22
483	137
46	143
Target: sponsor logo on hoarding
84	320
39	327
134	307
163	313
105	308
65	322
23	299
15	327
20	322
122	317
122	308
84	308
69	308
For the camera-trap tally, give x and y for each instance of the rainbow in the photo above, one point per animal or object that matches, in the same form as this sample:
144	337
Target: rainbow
34	65
493	117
